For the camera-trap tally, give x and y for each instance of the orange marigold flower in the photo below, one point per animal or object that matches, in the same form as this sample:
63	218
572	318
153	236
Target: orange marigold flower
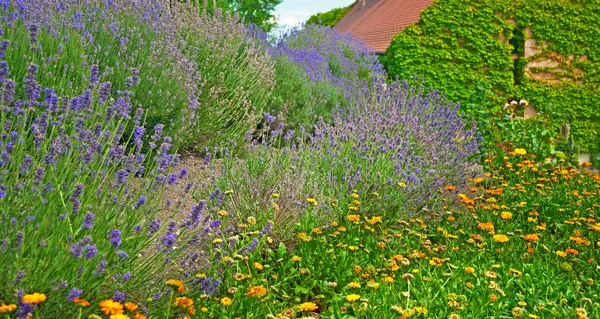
572	251
353	285
182	302
34	298
486	226
309	306
81	302
531	237
450	187
493	298
139	316
256	291
354	218
131	306
111	307
4	308
176	284
375	220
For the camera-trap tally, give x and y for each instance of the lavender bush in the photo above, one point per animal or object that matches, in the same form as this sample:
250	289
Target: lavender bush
201	76
315	67
393	142
82	171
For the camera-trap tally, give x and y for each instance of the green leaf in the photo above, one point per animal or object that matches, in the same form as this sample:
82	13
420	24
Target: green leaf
281	250
301	290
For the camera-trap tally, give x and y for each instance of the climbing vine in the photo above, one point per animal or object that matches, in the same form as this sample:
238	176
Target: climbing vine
459	44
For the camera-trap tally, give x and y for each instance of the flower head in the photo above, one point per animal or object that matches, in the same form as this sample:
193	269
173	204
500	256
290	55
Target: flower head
226	301
500	238
4	308
81	302
309	306
34	298
111	307
256	292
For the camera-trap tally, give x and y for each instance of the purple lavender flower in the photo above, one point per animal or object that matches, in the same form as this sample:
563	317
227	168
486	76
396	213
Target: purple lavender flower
119	296
19	239
88	221
154	226
115	238
140	202
91	251
76	250
20	275
122	176
100	268
94	76
74	293
123	255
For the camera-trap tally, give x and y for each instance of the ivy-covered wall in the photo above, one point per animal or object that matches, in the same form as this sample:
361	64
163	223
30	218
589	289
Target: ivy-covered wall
543	51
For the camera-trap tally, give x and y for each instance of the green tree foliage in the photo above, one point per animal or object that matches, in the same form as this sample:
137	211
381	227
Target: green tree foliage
258	12
458	45
331	17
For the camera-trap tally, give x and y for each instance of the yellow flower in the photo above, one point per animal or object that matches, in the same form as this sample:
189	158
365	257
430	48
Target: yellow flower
506	215
469	270
375	220
500	238
353	248
514	271
311	201
422	310
111	307
561	253
4	308
354	285
403	185
352	297
258	266
119	316
309	306
388	279
34	298
520	151
226	301
296	258
275	195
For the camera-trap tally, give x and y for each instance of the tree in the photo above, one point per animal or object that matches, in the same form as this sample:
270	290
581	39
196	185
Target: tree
258	12
331	17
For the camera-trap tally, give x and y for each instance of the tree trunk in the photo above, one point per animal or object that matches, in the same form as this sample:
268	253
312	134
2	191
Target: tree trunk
214	6
204	5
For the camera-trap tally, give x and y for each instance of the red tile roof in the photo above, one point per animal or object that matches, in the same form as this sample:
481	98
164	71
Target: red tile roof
377	21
